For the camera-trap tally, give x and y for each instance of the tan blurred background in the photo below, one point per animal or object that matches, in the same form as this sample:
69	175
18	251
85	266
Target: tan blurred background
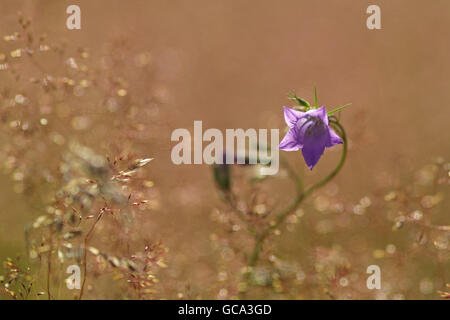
232	63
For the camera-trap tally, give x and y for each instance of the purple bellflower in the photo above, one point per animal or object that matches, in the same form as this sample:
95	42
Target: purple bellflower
310	132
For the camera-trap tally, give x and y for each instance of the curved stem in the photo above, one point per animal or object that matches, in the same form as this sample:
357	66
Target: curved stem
302	195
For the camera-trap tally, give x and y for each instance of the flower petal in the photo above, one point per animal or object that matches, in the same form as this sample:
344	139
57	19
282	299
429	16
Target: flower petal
314	143
320	113
312	153
289	142
334	138
291	116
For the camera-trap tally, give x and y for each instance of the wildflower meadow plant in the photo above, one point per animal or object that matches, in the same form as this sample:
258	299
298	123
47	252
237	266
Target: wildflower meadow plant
310	129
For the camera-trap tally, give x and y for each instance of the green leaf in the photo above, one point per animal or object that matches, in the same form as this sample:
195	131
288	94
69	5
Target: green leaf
339	109
315	97
300	101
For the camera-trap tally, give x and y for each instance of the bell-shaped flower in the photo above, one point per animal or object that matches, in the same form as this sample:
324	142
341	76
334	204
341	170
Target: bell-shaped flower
310	132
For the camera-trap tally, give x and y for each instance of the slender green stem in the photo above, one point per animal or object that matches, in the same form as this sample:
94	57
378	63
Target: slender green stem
301	196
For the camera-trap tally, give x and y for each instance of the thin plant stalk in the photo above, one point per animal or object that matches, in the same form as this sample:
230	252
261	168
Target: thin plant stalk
86	238
254	257
49	264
